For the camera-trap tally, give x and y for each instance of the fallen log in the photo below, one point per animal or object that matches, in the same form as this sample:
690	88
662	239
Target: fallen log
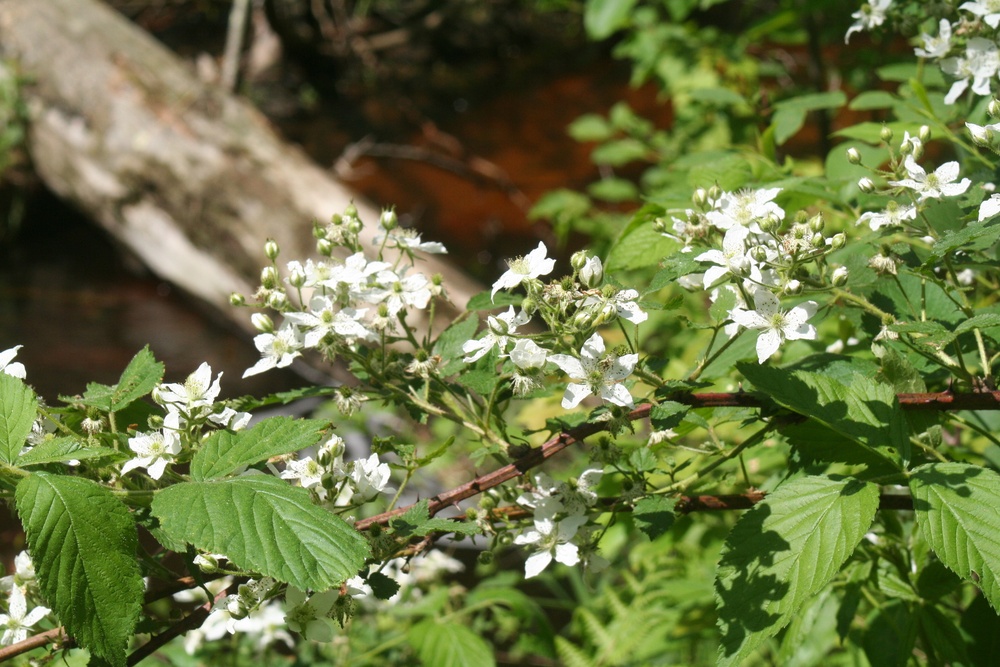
190	179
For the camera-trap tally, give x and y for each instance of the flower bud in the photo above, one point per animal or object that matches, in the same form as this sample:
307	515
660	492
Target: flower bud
324	247
237	299
700	197
817	240
839	277
906	147
529	305
769	223
714	193
351	211
271	249
866	185
816	223
277	300
853	156
485	557
269	277
388	219
354	225
886	134
592	272
838	241
660	226
583	320
262	323
296	275
993	109
319	231
924	133
578	259
758	253
793	287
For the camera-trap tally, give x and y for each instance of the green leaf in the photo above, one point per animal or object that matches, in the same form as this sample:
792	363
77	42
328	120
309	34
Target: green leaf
449	645
782	552
872	99
890	635
673	267
383	587
614	190
958	506
225	452
18	407
479	381
481	301
981	626
982	321
83	543
449	344
639	245
620	152
864	411
790	115
60	450
416	521
590	127
654	515
667	414
977	235
138	379
264	525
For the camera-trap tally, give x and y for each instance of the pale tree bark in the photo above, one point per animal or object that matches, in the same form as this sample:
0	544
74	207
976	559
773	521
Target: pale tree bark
191	179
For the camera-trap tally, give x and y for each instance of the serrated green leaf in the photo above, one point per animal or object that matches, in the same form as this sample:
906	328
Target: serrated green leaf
981	321
977	235
83	543
449	645
224	452
864	411
262	524
483	301
673	267
480	381
60	450
782	552
416	521
958	506
638	246
138	379
654	515
890	635
667	414
614	190
620	152
449	344
18	408
872	99
383	587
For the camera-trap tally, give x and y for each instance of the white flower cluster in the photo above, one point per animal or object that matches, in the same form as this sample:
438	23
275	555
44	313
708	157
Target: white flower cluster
972	60
559	528
189	408
20	587
758	261
335	482
577	308
344	301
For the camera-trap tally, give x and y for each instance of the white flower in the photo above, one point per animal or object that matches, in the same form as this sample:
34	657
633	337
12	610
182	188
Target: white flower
399	293
596	373
370	477
935	185
988	10
989	207
24	573
278	349
308	617
776	326
198	390
532	265
936	47
326	319
979	64
527	354
871	15
745	208
307	470
983	135
893	216
15	369
17	622
553	539
731	260
592	272
497	331
407	239
155	450
622	304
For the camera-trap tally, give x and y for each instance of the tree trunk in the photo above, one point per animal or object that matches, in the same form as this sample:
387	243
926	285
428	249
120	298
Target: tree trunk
191	179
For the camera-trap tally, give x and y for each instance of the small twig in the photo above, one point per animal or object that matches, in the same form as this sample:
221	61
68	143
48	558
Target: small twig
234	44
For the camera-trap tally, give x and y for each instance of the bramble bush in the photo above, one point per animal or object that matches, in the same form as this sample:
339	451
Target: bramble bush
807	340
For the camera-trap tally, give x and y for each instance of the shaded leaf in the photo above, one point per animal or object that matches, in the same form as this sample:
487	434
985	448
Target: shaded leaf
654	515
449	645
83	543
782	552
18	407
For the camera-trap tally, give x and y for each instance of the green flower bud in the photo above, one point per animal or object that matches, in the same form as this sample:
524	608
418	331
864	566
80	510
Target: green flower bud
793	287
351	211
324	247
993	109
277	300
886	134
271	249
262	323
714	193
319	231
853	156
924	133
838	241
578	260
817	240
237	299
354	225
485	557
269	277
388	219
866	185
592	272
700	197
840	276
816	223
